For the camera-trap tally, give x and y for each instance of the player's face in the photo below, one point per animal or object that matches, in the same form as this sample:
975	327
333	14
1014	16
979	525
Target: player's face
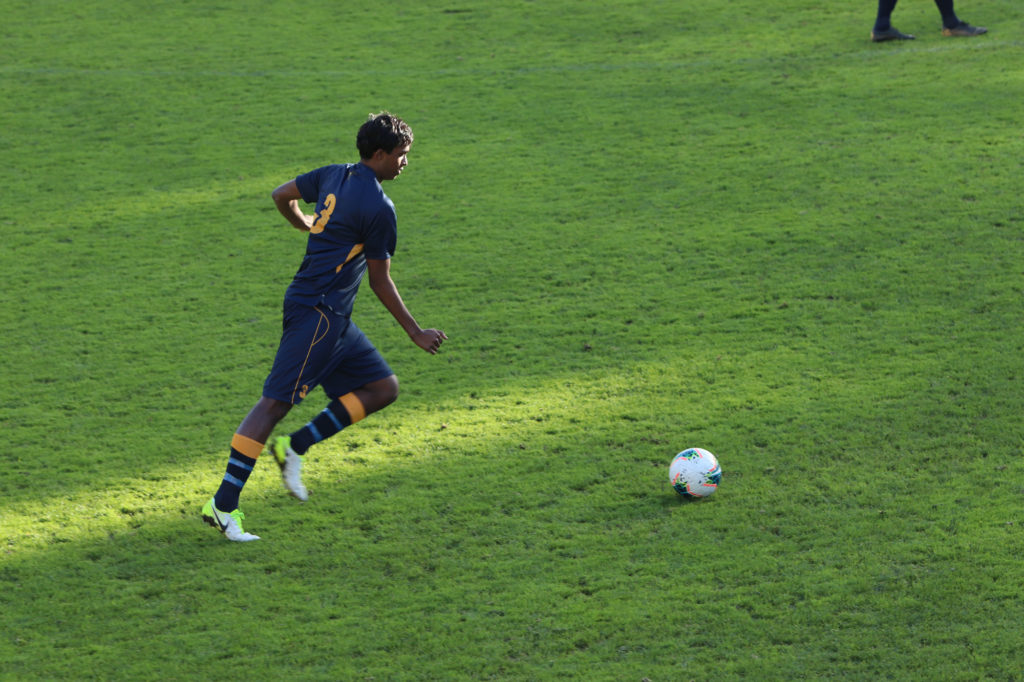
395	162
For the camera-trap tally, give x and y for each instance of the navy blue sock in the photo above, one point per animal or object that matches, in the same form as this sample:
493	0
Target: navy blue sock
241	461
344	411
949	18
883	22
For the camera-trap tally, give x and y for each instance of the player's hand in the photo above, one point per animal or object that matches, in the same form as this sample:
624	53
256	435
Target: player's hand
429	339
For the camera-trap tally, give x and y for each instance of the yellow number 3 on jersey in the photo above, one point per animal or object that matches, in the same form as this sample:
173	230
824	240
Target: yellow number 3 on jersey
323	216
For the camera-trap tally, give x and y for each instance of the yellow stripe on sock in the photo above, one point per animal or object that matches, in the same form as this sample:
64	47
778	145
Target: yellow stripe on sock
247	446
354	407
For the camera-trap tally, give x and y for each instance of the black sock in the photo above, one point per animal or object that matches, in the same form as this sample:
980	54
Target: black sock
949	18
335	417
883	22
241	461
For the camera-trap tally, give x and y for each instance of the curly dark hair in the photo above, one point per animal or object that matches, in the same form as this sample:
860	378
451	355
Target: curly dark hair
382	131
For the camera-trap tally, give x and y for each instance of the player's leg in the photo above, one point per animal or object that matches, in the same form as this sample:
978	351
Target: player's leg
884	30
951	23
883	20
292	375
949	18
360	384
340	413
377	395
222	511
246	446
344	411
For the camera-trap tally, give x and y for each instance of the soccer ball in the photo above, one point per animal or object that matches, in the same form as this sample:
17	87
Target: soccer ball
695	472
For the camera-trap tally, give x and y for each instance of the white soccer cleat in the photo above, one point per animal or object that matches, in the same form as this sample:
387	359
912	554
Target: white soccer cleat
228	523
291	466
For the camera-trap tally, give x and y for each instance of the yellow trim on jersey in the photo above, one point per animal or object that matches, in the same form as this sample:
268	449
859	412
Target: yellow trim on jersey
356	250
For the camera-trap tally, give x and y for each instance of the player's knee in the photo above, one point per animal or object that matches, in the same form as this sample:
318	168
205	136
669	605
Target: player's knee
389	390
378	394
383	393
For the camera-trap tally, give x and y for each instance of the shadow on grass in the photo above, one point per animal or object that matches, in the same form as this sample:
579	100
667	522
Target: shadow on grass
455	551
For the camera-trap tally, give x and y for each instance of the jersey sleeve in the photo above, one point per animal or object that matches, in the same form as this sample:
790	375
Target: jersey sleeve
381	234
309	185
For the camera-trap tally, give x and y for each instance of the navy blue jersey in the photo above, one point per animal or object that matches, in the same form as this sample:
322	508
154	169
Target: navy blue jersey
354	221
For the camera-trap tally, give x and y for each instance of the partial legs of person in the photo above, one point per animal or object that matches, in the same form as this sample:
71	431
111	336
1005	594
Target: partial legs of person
317	348
884	30
222	510
339	414
952	26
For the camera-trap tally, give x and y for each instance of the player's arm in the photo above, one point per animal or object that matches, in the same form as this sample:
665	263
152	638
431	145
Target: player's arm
286	198
379	272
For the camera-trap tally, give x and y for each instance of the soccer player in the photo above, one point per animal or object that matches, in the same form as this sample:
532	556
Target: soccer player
352	232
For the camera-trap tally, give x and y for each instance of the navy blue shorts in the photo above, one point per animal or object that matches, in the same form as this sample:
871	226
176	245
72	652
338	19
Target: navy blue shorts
319	348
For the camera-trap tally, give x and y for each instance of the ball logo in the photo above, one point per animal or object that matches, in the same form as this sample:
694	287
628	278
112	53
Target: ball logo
695	472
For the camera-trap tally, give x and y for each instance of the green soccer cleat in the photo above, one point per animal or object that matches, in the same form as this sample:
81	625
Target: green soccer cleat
291	466
228	523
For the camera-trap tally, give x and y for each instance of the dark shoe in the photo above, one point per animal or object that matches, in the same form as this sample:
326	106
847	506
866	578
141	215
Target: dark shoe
964	30
891	33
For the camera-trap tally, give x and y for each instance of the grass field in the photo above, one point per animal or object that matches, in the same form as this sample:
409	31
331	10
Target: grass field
643	225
